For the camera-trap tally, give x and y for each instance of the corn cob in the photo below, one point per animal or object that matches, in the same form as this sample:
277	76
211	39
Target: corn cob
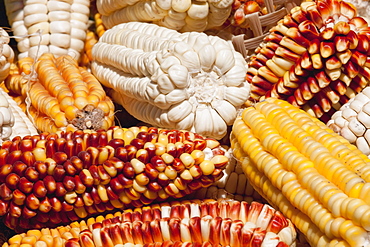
233	185
352	121
179	223
53	26
92	37
6	55
185	81
61	94
183	15
22	125
49	179
312	175
328	45
6	117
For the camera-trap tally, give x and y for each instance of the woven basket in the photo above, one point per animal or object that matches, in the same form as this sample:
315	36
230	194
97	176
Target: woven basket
256	26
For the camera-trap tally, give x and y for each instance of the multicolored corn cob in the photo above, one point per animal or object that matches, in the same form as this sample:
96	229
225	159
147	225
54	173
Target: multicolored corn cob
52	179
312	175
177	224
315	58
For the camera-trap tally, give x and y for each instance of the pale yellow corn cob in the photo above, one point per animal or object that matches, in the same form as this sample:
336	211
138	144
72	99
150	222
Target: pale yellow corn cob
182	15
314	176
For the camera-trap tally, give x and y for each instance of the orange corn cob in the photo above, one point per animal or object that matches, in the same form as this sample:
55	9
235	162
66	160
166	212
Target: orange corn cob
192	223
52	179
61	95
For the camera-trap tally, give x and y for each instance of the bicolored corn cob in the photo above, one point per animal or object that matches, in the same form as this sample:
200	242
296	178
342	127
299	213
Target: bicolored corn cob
6	55
352	121
182	15
52	179
51	26
61	94
233	184
190	81
22	125
177	224
312	175
315	58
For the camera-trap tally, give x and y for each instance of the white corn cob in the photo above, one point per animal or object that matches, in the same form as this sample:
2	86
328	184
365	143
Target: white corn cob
49	26
22	124
187	81
182	15
6	55
6	117
352	121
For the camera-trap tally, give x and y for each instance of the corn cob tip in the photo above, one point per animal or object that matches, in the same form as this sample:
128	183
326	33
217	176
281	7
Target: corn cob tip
88	118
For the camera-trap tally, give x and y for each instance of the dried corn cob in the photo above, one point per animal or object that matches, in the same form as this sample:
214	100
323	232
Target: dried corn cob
22	124
61	94
186	81
352	121
328	45
52	26
180	223
233	184
183	15
50	179
6	55
6	117
92	37
312	175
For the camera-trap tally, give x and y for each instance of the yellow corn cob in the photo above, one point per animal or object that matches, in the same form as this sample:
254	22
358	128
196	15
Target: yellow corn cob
311	174
180	223
49	179
92	37
53	26
61	94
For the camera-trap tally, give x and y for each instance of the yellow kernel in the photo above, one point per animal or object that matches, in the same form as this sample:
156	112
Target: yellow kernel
80	102
207	167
